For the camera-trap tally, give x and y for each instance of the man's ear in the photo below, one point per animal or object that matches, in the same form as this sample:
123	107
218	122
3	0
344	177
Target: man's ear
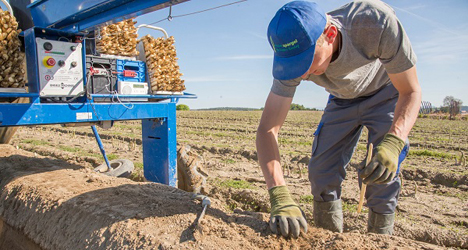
330	33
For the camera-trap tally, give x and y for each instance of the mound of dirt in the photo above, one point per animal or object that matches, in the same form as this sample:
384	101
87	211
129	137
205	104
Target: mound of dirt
58	205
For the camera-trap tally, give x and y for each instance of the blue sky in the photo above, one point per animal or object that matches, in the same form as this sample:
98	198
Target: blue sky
226	59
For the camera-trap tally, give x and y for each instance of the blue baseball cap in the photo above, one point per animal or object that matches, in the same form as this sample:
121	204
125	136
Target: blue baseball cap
293	33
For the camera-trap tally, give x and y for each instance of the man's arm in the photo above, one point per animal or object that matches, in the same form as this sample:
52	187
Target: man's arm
286	216
273	117
384	163
409	102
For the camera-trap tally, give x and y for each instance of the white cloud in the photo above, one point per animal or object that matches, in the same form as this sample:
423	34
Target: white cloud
428	21
256	35
441	48
244	57
414	7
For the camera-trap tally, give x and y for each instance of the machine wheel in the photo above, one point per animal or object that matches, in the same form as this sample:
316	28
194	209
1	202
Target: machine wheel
190	174
120	168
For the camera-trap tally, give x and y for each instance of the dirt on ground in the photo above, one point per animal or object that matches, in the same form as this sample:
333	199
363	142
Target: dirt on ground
52	196
59	205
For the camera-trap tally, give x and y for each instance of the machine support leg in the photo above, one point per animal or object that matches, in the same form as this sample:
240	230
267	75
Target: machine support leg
101	147
160	148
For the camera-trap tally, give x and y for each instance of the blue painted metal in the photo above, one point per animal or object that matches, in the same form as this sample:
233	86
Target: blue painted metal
183	96
138	67
101	147
160	148
58	113
58	19
13	94
86	15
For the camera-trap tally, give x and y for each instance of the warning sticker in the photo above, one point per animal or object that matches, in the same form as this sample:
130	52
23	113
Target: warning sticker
84	116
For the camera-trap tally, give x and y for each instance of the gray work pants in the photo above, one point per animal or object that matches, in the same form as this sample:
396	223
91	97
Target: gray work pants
336	139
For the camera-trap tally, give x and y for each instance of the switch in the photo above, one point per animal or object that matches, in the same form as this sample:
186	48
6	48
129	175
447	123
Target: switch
48	46
48	62
51	62
129	73
74	64
61	63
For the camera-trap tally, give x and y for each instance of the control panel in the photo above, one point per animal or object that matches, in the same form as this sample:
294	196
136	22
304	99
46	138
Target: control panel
60	67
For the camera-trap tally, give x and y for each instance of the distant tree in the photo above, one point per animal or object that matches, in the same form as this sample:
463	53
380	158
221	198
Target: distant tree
182	107
452	106
297	107
448	100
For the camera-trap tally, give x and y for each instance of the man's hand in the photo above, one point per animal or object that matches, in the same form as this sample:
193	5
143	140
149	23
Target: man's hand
285	213
384	163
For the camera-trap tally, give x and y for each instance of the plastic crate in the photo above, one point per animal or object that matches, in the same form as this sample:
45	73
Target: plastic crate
131	71
102	78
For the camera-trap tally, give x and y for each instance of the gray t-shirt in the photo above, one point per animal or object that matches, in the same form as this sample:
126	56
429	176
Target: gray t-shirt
373	43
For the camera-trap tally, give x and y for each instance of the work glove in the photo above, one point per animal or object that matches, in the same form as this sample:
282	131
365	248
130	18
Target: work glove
285	213
384	163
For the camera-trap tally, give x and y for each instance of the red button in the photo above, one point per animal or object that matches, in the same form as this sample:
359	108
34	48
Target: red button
51	61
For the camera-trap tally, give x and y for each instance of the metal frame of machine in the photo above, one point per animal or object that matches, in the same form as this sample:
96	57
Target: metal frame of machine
158	115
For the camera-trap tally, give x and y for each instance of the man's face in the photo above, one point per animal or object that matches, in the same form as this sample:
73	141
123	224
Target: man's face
322	58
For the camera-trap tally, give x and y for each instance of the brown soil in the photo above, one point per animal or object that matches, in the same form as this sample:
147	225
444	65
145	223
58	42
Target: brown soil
59	205
51	195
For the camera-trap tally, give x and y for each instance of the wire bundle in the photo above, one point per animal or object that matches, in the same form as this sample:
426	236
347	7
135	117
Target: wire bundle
118	39
12	71
161	63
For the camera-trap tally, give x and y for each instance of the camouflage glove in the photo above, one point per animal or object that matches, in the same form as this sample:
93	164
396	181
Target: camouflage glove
285	213
384	163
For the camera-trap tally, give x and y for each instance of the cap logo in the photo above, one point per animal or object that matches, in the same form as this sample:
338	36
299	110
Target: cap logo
286	47
272	44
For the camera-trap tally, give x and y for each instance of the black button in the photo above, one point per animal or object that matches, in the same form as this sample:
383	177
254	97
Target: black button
73	48
48	46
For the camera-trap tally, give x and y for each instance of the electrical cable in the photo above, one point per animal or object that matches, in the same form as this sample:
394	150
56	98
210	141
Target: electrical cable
89	94
170	17
76	96
114	93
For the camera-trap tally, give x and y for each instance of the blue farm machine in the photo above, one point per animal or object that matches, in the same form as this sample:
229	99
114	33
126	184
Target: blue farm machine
71	79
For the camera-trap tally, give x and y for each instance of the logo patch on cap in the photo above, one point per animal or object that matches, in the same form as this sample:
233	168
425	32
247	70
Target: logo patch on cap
285	47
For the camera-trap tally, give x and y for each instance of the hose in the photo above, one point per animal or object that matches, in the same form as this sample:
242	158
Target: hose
8	6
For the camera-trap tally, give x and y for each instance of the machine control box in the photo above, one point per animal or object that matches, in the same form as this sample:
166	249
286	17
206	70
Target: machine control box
133	88
60	68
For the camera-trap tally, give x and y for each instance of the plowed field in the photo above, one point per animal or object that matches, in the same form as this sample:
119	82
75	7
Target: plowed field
52	165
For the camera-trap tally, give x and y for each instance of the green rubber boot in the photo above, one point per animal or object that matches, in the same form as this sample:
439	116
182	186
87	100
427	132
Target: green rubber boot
329	215
380	223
